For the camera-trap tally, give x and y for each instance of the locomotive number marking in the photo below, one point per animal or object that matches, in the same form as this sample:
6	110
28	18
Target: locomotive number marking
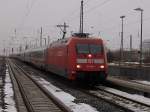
89	60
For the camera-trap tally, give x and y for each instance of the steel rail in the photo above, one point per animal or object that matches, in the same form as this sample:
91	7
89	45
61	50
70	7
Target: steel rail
59	103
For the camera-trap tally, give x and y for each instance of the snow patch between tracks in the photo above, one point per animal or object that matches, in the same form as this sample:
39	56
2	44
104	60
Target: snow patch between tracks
135	97
142	82
9	94
66	98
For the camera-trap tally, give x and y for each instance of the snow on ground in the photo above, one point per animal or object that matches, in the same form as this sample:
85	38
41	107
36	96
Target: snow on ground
135	97
142	82
64	97
9	94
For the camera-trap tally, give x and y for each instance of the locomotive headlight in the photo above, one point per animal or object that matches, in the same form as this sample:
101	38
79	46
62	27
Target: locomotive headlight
102	66
78	66
89	55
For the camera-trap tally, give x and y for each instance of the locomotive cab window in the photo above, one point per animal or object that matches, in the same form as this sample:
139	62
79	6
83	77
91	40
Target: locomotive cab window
82	48
94	49
89	48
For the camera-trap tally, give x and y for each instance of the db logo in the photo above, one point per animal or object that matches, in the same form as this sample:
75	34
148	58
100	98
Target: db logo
89	61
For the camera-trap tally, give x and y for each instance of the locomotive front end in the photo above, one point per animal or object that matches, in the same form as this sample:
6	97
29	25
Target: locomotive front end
90	60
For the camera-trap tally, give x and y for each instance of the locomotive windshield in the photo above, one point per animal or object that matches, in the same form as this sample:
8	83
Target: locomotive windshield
89	48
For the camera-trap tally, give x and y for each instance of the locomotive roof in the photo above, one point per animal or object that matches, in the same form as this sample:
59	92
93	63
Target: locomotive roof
65	41
61	42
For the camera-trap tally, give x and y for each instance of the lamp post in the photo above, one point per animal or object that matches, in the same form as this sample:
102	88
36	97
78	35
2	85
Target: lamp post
131	48
121	47
141	54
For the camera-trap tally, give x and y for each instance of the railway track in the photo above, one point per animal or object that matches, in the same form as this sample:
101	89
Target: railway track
144	88
145	84
128	80
35	97
120	100
81	97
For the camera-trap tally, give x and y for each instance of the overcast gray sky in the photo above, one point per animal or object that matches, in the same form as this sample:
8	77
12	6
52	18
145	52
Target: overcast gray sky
27	16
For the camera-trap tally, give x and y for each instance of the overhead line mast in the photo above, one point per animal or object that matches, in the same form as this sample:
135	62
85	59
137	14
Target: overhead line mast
41	36
81	32
81	17
64	30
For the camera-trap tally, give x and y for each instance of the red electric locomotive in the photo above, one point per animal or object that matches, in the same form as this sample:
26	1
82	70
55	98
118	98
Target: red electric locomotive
76	57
